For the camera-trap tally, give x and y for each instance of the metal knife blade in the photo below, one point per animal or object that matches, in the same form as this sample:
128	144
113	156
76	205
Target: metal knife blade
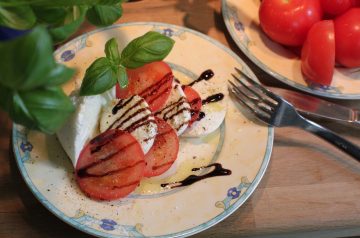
319	108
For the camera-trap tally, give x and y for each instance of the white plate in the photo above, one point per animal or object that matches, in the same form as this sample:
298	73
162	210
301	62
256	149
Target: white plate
242	21
239	144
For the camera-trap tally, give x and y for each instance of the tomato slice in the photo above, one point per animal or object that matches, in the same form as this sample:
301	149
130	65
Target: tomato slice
152	82
110	166
195	102
164	151
318	53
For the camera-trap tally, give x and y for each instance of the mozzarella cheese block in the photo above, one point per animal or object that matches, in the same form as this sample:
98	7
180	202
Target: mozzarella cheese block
133	115
83	124
176	110
214	112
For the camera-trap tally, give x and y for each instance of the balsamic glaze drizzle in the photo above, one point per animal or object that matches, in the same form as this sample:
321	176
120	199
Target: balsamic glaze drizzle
206	75
201	116
217	171
213	98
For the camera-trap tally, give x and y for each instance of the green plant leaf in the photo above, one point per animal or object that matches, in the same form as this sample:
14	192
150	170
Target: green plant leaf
104	15
27	62
74	18
150	47
112	51
122	77
99	77
44	109
50	15
21	17
59	75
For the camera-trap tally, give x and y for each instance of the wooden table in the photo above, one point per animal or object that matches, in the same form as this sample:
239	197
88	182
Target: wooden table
310	188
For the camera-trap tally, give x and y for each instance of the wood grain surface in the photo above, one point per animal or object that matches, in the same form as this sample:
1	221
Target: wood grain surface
310	189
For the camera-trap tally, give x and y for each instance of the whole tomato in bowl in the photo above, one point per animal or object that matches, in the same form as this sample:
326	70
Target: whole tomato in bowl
318	53
336	7
347	38
288	22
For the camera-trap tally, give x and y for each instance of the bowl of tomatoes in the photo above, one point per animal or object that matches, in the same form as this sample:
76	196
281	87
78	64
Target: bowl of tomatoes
312	45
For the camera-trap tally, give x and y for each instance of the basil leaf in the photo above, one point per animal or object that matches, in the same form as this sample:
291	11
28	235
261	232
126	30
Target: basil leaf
27	60
103	15
59	75
50	15
44	109
74	18
122	77
99	77
150	47
112	51
20	18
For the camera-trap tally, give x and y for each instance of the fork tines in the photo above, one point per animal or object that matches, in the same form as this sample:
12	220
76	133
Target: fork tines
254	96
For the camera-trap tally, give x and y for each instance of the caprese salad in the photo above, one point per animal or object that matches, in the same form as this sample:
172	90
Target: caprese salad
116	138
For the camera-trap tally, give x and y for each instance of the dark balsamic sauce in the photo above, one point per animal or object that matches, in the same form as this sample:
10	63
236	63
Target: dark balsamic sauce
217	171
206	75
213	98
101	140
83	173
120	105
154	88
201	116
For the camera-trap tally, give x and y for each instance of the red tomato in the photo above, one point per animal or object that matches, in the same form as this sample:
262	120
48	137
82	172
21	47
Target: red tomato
356	3
336	7
152	82
195	102
164	151
110	166
318	53
347	38
287	22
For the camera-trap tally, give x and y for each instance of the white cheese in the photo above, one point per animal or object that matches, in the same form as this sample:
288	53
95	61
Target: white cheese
176	110
214	112
133	115
83	124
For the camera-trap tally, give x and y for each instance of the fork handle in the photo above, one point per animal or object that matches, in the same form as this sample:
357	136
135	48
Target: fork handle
331	137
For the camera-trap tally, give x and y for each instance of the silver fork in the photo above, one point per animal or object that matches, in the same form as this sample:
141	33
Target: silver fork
276	111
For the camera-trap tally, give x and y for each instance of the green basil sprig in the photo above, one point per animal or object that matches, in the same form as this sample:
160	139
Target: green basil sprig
99	77
29	82
148	48
105	72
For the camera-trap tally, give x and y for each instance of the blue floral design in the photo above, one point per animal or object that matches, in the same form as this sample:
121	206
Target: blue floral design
239	26
108	224
233	193
321	87
168	32
67	55
26	146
